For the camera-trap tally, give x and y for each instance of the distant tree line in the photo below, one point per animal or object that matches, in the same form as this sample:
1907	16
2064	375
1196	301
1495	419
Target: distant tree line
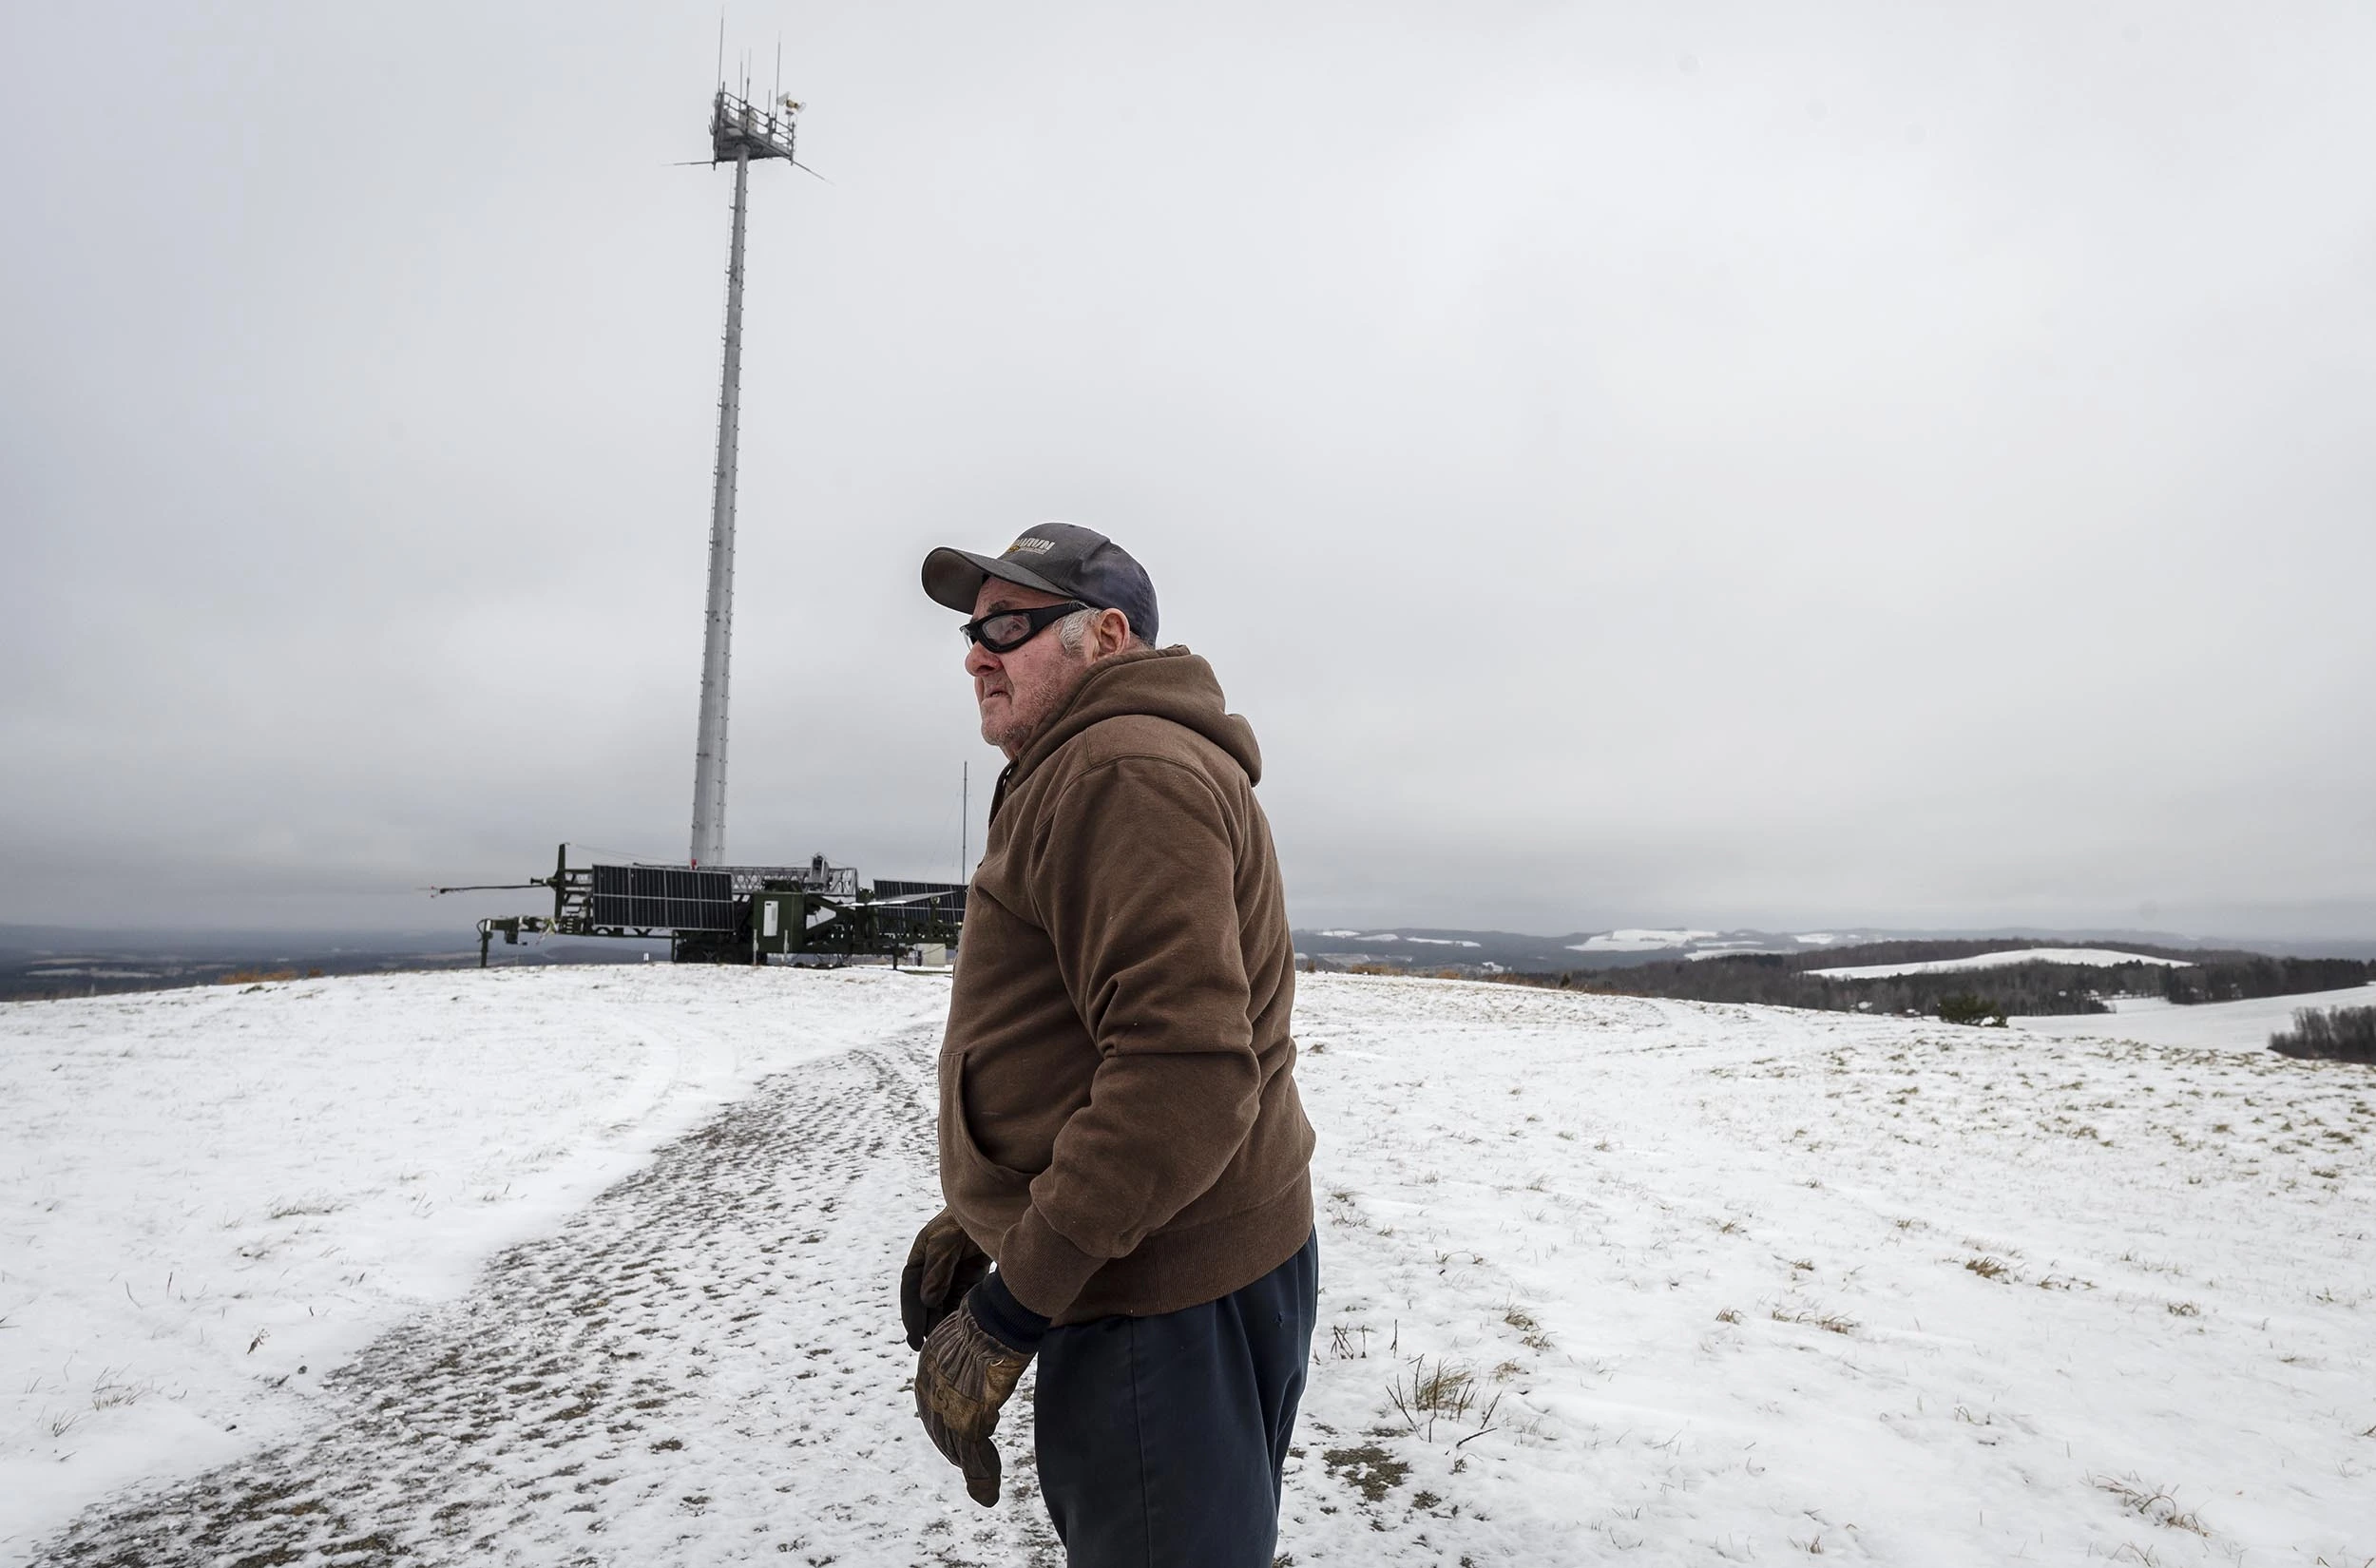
2033	989
2336	1034
2234	978
1779	979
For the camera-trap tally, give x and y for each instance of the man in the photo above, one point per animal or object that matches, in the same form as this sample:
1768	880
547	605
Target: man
1119	1131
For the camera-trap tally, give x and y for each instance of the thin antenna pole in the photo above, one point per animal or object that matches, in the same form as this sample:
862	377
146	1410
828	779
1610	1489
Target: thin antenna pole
775	103
709	752
721	49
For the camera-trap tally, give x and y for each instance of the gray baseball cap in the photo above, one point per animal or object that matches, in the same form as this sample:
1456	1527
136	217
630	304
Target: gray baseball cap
1059	558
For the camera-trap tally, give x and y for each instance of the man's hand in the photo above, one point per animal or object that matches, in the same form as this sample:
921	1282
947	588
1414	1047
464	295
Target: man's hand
964	1378
942	1266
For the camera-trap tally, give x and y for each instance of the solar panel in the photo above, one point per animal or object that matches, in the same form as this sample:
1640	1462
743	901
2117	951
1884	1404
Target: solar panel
946	906
664	898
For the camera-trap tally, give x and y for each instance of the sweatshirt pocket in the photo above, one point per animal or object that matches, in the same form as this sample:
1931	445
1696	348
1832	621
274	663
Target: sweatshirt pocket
985	1180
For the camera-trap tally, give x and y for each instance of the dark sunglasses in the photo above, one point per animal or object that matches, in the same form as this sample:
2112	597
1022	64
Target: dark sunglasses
1009	630
1004	631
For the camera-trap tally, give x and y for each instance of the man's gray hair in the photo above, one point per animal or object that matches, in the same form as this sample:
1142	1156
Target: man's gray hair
1073	631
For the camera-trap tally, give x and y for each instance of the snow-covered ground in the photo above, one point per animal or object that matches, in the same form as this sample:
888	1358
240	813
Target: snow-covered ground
215	1196
2208	1026
1605	1278
2096	957
1640	939
1395	936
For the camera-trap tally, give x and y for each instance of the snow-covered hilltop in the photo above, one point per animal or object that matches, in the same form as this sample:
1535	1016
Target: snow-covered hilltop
2093	958
565	1266
1423	948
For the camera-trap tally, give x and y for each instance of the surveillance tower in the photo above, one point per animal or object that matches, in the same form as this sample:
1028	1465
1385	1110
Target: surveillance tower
740	133
711	912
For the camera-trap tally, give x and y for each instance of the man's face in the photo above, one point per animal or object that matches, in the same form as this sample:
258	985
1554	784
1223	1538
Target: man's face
1021	690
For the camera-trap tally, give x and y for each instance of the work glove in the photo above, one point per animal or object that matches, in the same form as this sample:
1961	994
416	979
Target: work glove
943	1264
964	1378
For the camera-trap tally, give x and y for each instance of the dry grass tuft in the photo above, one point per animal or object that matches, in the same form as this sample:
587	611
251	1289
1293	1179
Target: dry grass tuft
1447	1392
258	977
2157	1503
1530	1333
1830	1323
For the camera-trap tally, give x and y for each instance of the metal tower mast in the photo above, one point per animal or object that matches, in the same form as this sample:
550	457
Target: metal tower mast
742	133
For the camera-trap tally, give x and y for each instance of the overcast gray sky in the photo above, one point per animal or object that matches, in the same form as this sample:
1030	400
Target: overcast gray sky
1734	465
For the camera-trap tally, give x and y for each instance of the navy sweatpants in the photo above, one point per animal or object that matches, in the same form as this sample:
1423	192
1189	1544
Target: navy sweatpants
1160	1438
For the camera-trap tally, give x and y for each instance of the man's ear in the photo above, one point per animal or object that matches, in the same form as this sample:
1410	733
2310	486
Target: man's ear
1113	629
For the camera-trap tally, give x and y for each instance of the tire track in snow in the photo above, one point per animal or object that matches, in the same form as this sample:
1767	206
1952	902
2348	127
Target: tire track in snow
702	1364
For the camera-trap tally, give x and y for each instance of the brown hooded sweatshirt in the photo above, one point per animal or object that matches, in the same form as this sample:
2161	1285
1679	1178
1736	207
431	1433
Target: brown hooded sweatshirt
1119	1123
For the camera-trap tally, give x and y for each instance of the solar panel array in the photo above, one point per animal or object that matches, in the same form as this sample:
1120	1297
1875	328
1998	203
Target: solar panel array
664	898
946	908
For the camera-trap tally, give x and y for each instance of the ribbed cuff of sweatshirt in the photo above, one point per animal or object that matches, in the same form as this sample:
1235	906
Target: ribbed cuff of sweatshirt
1008	1321
1043	1271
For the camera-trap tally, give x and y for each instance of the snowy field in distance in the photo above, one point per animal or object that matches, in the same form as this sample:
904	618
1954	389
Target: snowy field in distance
1639	940
1396	936
2103	956
2243	1025
1682	1282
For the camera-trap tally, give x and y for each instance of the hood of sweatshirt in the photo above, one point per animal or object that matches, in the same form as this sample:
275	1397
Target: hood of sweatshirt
1161	682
